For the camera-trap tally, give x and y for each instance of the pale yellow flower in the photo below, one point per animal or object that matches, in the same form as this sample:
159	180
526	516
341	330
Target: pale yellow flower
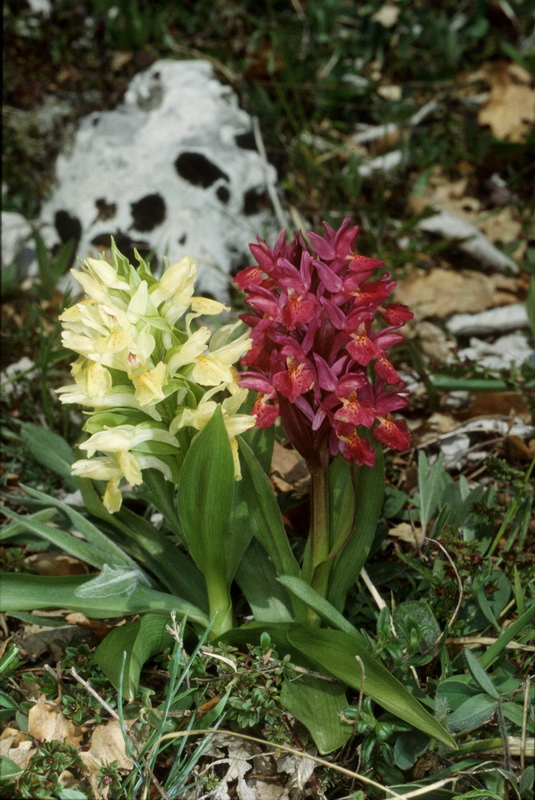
149	385
234	423
126	437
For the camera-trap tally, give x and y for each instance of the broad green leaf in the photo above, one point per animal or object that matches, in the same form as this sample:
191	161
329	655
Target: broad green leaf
205	496
110	552
72	545
516	628
431	484
317	703
261	442
140	641
265	515
473	713
455	692
151	548
257	578
341	502
15	528
322	607
369	485
238	532
515	713
408	747
479	675
337	653
161	493
9	769
50	450
112	581
22	592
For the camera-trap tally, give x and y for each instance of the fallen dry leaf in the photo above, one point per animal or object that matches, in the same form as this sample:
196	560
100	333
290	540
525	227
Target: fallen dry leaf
106	745
96	626
17	746
288	471
49	564
46	722
387	15
443	292
510	107
406	533
499	225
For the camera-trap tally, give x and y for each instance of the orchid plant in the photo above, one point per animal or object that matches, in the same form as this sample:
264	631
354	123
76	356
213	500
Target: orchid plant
168	412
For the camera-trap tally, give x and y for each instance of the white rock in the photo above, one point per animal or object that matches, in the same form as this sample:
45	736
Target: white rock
504	318
505	352
472	241
17	242
173	170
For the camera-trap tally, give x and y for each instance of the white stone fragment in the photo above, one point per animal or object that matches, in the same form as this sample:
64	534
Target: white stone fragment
385	163
173	170
505	352
504	318
473	242
16	236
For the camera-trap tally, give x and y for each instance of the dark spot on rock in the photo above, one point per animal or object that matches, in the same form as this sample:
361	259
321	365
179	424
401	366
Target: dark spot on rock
254	201
148	213
223	194
246	140
183	239
95	121
125	244
68	227
105	210
198	170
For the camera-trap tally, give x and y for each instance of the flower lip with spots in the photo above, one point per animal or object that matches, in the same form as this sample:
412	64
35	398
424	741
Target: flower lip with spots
319	355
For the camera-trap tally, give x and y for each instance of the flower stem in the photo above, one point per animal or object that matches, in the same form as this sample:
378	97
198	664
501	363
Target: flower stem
220	606
319	534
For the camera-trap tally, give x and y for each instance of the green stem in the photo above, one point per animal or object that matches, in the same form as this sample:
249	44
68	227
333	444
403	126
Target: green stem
220	606
318	576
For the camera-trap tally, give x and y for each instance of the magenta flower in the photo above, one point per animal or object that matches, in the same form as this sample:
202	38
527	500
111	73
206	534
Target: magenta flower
320	355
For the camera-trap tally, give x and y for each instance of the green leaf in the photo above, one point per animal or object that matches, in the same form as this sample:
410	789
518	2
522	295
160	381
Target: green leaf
473	713
261	441
490	655
140	641
151	548
161	493
335	653
341	502
15	528
369	485
86	551
205	495
22	592
317	703
408	747
479	675
322	607
257	578
431	484
266	521
50	450
9	769
455	692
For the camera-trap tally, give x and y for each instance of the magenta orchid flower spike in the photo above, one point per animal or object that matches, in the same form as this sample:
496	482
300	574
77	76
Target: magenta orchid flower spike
321	332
